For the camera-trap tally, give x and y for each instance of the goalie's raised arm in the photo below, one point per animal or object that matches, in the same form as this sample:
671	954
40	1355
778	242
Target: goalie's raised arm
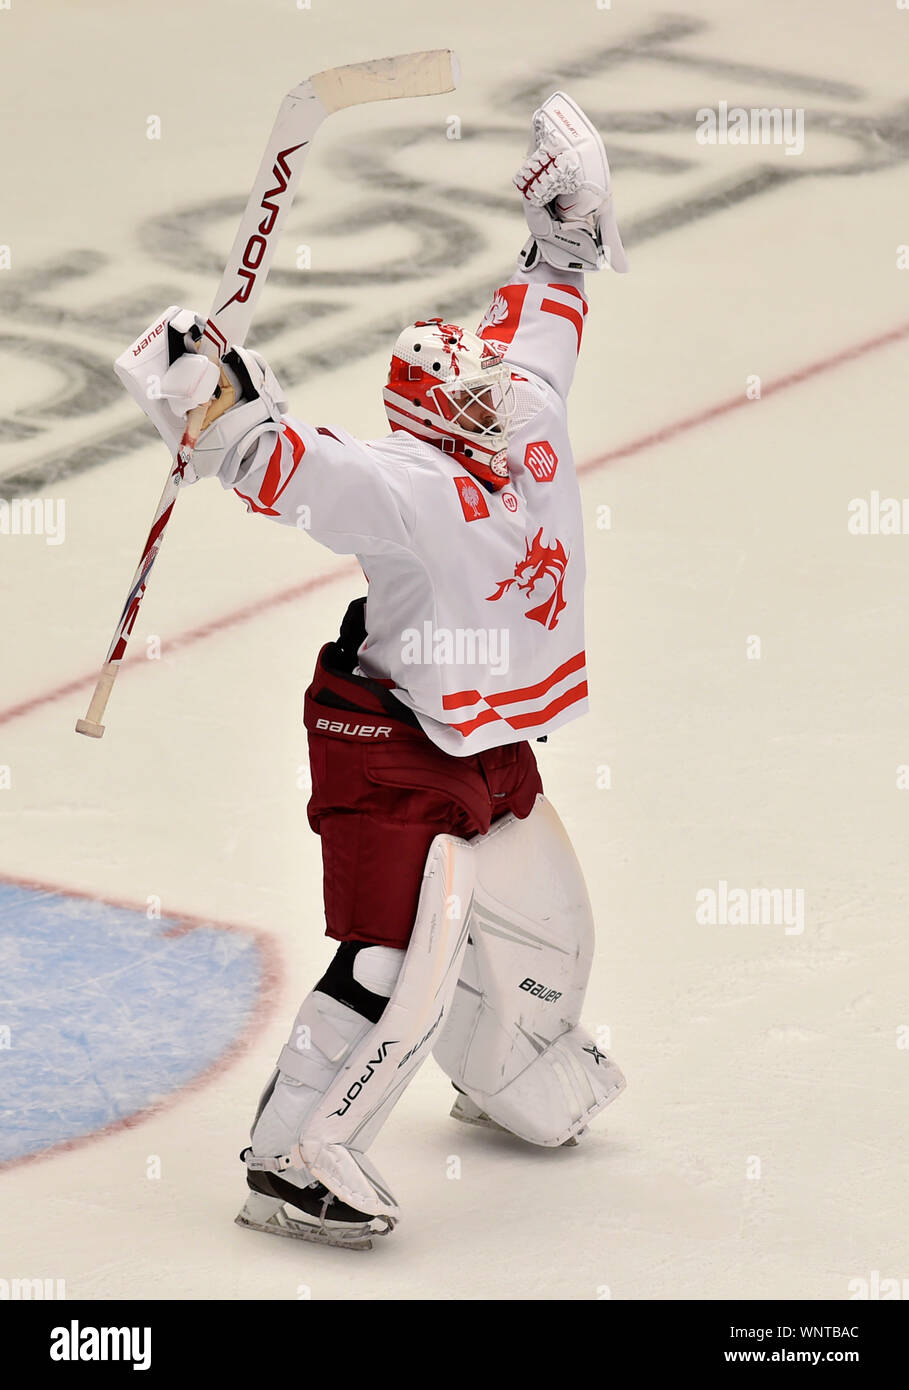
319	480
537	320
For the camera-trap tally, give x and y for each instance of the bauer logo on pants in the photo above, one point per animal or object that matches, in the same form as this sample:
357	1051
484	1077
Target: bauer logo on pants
339	726
541	460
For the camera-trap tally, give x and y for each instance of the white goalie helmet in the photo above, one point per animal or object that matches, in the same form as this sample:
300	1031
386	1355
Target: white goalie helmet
448	386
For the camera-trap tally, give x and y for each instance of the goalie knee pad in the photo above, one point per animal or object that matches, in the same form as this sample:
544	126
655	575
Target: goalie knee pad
362	977
358	1040
512	1041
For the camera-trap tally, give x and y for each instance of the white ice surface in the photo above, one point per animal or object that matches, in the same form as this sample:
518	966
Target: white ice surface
738	1042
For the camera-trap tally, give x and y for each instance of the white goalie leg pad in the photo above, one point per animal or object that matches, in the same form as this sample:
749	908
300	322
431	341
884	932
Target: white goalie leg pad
348	1116
512	1040
324	1034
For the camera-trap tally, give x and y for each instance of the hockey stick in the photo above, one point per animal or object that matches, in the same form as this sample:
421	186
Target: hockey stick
302	112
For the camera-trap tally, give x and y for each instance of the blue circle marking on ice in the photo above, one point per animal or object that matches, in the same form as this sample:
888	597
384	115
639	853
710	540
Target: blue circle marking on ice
102	1013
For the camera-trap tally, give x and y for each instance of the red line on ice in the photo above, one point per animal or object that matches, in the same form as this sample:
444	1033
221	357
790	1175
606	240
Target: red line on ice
185	639
635	446
770	388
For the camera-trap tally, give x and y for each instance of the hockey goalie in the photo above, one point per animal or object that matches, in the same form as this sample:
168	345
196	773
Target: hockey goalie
462	923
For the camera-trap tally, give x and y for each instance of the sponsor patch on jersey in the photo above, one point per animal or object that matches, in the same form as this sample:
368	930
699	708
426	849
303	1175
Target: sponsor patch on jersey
473	503
509	501
541	460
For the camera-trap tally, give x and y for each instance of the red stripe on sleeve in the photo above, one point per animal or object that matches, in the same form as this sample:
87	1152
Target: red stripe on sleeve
272	485
254	507
570	289
565	311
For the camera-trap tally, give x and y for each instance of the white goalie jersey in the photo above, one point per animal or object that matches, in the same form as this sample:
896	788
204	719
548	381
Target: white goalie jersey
475	607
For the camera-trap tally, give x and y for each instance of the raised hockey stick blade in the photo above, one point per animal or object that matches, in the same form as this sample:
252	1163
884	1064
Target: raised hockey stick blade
301	113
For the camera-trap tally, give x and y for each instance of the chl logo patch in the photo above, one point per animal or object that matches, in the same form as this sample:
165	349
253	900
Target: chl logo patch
473	503
541	460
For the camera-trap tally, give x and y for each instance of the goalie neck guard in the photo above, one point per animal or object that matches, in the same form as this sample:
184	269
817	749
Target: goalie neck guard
447	386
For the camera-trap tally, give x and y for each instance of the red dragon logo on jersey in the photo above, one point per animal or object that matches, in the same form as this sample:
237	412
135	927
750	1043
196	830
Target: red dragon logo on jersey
540	562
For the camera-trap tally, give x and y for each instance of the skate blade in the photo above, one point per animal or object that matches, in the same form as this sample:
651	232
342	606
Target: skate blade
355	1237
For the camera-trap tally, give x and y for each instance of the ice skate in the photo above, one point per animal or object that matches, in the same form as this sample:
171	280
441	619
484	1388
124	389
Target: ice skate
280	1208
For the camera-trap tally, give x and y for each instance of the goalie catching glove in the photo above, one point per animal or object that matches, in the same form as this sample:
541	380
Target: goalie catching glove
168	378
567	193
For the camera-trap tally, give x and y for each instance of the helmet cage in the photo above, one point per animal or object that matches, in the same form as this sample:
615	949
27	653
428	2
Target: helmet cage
479	407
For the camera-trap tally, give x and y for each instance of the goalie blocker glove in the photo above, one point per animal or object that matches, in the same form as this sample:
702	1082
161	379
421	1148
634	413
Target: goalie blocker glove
567	193
168	378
